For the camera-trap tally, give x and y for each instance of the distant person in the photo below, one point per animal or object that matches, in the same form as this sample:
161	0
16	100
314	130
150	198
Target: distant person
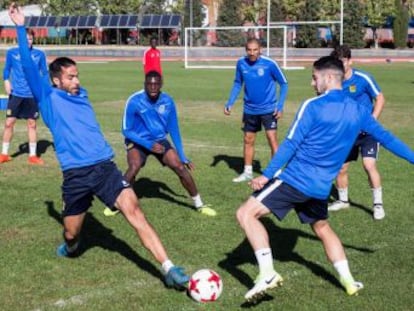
262	106
299	176
85	156
362	87
150	116
152	58
21	104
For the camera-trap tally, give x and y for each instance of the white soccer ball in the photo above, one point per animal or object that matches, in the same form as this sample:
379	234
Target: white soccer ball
205	285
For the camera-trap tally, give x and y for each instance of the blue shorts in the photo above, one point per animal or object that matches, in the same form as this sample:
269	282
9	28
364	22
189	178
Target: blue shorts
22	108
253	123
366	145
280	198
144	152
81	184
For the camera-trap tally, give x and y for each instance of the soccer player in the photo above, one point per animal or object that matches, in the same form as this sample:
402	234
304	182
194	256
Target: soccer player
85	156
363	88
300	174
21	104
262	106
149	117
152	58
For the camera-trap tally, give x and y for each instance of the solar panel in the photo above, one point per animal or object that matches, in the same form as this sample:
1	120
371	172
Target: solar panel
42	21
175	21
91	21
82	21
52	21
146	21
27	21
73	21
64	21
123	21
33	21
105	20
165	21
114	21
156	21
133	21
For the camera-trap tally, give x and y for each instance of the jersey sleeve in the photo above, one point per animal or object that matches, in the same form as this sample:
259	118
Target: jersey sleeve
237	85
297	132
174	130
7	66
43	64
280	78
31	71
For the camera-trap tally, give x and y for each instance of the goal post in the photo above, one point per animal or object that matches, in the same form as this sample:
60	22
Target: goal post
220	47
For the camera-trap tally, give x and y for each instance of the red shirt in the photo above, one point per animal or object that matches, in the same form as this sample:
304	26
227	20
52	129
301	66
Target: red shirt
152	60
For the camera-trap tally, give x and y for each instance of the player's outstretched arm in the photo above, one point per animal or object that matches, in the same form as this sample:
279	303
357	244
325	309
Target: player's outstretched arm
16	14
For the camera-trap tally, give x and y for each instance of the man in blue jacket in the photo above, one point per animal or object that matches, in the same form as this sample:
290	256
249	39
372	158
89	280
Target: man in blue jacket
150	116
85	156
262	107
21	104
300	174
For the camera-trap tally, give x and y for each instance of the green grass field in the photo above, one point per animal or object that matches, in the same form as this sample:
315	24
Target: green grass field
116	273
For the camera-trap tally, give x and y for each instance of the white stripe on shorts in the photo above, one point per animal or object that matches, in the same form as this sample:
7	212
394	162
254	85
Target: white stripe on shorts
269	190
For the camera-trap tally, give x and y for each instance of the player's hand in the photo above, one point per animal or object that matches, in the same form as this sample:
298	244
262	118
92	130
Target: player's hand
158	148
16	14
7	87
277	114
227	111
189	165
258	183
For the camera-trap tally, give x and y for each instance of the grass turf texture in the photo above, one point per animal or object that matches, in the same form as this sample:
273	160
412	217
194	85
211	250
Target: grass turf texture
116	273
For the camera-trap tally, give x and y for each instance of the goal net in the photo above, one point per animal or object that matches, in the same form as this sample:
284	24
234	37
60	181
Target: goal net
220	47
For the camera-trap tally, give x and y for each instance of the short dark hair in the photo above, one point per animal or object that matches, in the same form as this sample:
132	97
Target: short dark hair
55	67
253	40
341	51
153	74
329	62
30	32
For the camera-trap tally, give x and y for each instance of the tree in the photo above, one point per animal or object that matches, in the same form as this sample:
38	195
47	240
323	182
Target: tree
229	15
353	34
307	35
400	26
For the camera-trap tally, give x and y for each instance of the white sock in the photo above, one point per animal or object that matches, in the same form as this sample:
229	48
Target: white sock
265	260
377	195
167	265
197	201
248	169
32	149
5	148
343	194
342	268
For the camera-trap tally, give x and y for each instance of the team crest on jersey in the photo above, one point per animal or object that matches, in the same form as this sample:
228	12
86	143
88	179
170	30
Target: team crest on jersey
161	109
260	72
352	88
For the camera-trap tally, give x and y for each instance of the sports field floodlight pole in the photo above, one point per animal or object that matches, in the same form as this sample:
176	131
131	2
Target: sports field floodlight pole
268	28
341	37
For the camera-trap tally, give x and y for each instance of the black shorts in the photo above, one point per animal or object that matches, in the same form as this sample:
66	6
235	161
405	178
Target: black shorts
22	108
81	184
280	198
366	145
253	123
144	152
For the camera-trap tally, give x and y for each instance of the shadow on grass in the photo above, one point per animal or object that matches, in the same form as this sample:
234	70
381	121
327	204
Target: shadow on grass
282	242
94	233
235	163
147	188
42	146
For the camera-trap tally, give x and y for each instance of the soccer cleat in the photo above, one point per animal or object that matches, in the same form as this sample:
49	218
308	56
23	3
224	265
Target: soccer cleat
338	205
243	177
5	158
176	278
352	288
207	210
108	212
378	212
35	160
262	284
62	250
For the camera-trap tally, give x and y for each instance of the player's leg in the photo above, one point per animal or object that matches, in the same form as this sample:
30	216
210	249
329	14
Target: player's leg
369	161
269	122
336	255
135	162
72	225
171	159
30	112
7	137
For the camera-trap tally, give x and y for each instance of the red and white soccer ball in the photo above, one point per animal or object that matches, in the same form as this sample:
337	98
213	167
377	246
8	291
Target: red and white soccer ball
205	285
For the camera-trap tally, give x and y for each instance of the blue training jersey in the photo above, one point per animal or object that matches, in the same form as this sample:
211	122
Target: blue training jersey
362	87
77	136
13	70
259	79
319	140
146	122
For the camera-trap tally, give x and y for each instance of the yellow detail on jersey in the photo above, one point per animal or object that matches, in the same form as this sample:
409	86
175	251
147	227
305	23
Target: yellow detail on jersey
352	88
